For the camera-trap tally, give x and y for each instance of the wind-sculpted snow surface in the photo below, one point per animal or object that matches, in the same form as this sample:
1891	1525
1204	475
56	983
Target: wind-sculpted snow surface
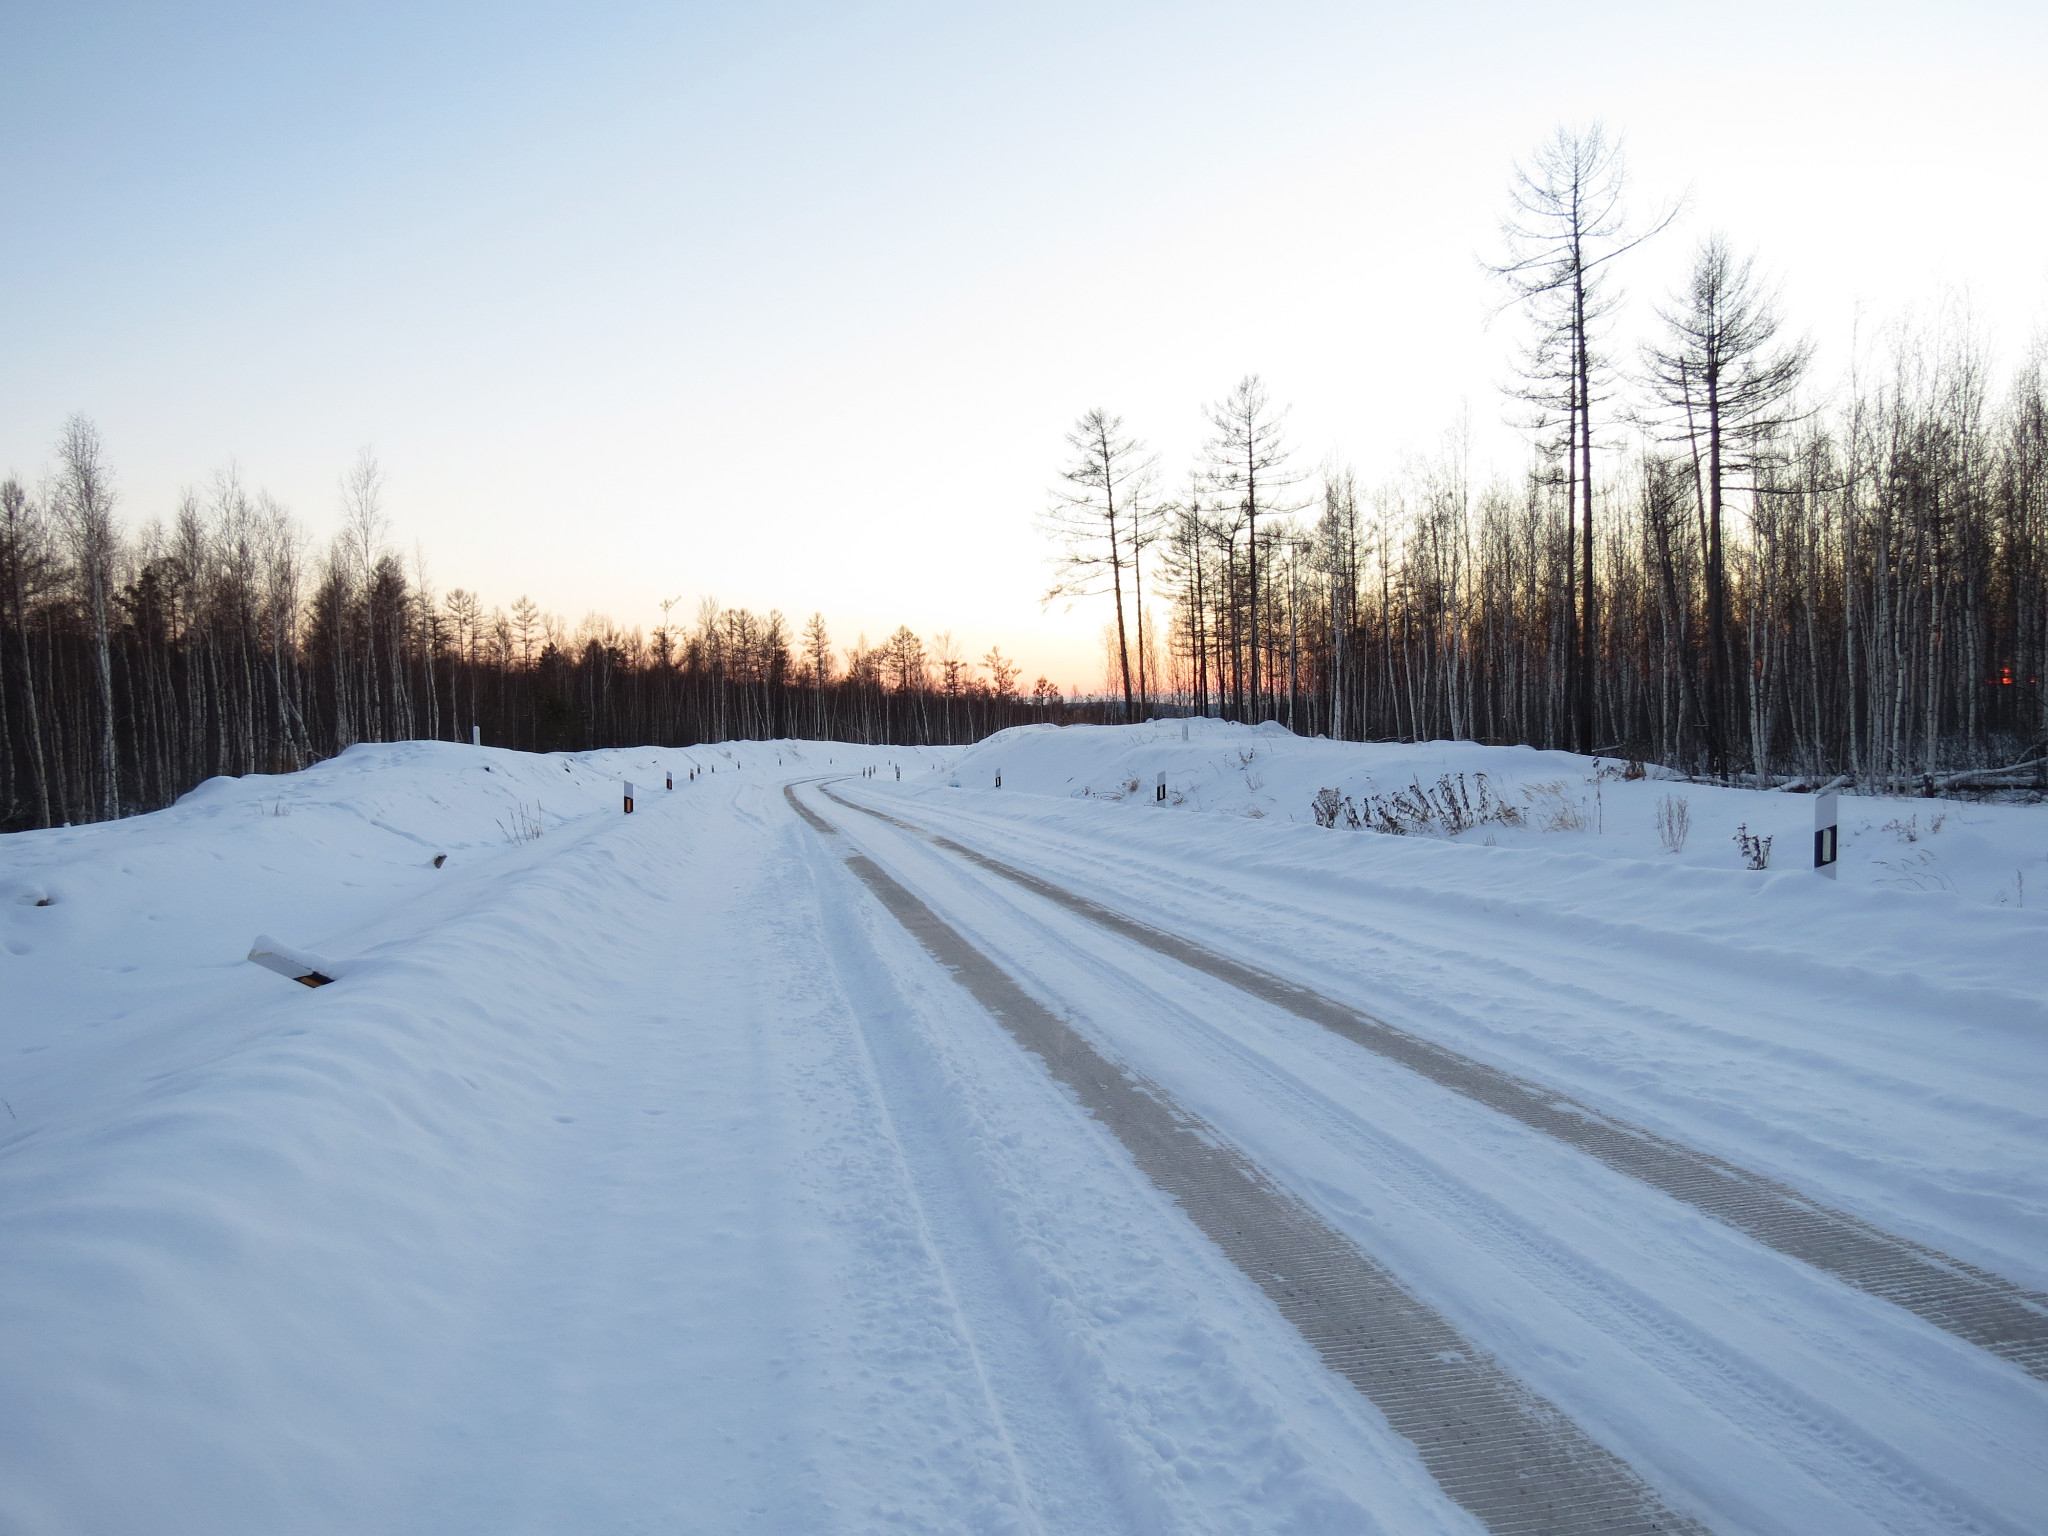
645	1173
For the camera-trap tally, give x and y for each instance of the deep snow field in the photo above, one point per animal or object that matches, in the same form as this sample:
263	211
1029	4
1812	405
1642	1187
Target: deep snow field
643	1173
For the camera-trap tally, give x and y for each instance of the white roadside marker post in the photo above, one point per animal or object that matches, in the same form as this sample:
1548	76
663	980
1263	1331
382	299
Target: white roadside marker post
671	781
629	797
1183	730
1159	798
999	778
476	735
1826	834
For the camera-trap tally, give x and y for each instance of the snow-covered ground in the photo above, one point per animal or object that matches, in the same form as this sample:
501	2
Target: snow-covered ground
1991	853
643	1173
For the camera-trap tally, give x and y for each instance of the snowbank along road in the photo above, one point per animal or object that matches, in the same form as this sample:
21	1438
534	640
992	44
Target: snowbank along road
818	1151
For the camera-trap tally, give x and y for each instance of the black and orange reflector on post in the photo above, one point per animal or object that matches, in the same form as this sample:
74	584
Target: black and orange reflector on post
629	797
671	781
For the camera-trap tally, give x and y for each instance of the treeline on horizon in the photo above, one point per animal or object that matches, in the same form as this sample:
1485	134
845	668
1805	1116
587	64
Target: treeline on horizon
134	665
1705	564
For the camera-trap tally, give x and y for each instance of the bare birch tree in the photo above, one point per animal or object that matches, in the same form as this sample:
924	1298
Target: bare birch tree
27	571
1723	383
1249	472
1566	224
1107	485
85	508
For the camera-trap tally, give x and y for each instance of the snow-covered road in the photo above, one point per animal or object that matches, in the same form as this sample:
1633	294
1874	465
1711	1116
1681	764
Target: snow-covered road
652	1175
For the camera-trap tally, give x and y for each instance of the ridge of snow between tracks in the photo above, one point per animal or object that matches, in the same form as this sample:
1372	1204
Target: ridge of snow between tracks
1973	1304
1495	1447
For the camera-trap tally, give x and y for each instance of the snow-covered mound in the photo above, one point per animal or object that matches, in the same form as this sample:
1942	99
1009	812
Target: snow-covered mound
140	907
1521	797
646	1173
252	1229
1928	891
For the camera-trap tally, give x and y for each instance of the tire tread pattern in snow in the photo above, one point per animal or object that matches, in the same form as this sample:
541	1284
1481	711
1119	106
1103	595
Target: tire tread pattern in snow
1496	1448
1972	1303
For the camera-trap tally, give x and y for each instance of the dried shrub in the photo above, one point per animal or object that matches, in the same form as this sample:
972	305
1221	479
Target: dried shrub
523	826
1756	851
1674	822
1452	805
1554	808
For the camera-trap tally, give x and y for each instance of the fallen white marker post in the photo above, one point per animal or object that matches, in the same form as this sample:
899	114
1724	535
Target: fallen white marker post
307	970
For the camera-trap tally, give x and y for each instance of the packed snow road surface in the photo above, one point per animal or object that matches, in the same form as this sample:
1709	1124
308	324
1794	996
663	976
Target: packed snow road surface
1506	1456
1983	1308
672	1172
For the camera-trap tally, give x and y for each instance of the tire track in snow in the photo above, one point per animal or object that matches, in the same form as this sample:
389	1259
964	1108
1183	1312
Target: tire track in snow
1496	1448
1973	1304
1436	976
1839	1455
1056	1473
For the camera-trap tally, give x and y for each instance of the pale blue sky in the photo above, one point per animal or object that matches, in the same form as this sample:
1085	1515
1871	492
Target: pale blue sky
790	304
